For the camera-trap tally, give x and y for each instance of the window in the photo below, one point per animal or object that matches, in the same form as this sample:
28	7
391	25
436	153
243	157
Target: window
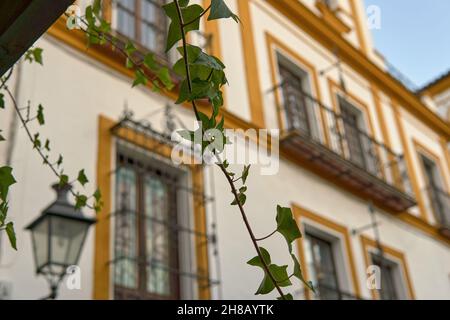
326	257
146	239
298	101
322	267
394	276
389	288
361	149
144	22
438	198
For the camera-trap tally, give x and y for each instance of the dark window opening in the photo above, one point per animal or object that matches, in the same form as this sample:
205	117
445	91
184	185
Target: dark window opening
146	244
322	267
389	290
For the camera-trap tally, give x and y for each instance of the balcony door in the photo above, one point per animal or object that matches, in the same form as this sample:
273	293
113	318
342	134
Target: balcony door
353	123
437	196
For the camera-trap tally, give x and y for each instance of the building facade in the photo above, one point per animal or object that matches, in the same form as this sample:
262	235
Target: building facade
363	160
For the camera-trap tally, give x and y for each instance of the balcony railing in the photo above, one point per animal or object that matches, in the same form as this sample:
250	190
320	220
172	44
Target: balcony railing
439	203
339	148
325	292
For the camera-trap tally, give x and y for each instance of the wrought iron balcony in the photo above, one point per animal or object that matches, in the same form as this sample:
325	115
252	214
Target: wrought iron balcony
339	149
439	203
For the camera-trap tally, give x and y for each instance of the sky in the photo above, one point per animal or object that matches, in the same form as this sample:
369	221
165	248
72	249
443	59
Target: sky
414	36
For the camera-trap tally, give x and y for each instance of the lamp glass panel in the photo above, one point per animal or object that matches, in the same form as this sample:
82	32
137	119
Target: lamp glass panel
40	239
66	240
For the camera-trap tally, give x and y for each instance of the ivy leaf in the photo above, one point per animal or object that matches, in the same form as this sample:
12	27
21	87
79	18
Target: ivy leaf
6	180
256	261
130	48
166	79
96	7
2	138
2	101
183	94
97	195
278	272
242	198
34	55
47	145
60	161
3	212
11	235
36	141
286	297
287	226
80	201
245	173
150	62
299	274
63	179
82	179
40	115
189	14
219	10
140	78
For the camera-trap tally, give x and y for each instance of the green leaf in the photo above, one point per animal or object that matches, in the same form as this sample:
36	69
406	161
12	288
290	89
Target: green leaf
2	101
80	201
245	173
63	179
6	180
286	297
3	212
242	198
189	14
183	94
130	48
219	10
96	7
140	78
97	195
40	115
11	235
2	138
36	141
129	64
256	261
287	226
82	179
60	161
166	79
278	272
47	145
299	274
150	62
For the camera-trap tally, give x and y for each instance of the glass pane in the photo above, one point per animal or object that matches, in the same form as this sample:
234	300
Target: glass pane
323	267
388	288
125	271
157	236
126	18
66	240
153	27
40	242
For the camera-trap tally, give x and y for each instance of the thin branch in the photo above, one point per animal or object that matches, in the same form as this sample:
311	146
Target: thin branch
222	167
267	237
30	135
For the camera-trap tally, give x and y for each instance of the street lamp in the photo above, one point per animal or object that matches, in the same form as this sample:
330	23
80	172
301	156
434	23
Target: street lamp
58	236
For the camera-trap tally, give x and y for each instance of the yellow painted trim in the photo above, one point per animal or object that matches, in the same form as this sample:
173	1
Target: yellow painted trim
446	152
359	28
306	20
409	162
438	87
331	18
398	256
102	278
272	44
251	63
302	213
386	136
